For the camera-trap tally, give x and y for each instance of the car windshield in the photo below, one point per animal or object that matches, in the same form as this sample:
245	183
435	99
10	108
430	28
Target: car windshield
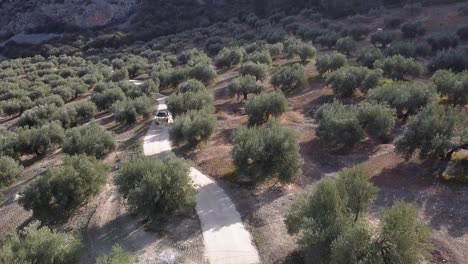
162	113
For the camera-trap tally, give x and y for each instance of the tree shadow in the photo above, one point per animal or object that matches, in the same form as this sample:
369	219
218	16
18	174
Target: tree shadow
444	205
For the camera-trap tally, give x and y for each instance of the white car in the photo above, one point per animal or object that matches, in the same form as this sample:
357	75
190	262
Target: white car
163	116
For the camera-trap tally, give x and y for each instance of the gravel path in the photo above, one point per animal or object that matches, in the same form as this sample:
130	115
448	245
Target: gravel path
225	237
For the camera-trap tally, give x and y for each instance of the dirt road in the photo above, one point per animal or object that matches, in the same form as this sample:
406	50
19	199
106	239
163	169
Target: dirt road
225	237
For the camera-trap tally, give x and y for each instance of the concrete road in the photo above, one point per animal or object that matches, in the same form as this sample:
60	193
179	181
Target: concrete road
225	237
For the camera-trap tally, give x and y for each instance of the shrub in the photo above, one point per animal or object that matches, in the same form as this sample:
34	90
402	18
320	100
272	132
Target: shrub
120	75
436	132
191	86
116	256
406	97
10	169
329	39
462	32
64	188
37	115
392	22
452	59
51	99
383	38
86	110
155	188
128	110
288	78
399	67
253	148
244	85
258	70
262	57
183	102
148	88
261	107
39	140
203	72
15	105
327	222
90	140
275	49
345	80
173	77
229	57
443	41
413	29
376	119
345	45
338	124
104	100
193	127
454	86
367	57
37	244
297	47
332	62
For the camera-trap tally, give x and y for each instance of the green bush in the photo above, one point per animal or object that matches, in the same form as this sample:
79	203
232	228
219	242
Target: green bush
128	110
156	188
328	39
105	99
331	62
399	67
376	119
51	99
16	106
116	256
436	132
328	222
367	57
412	29
452	59
86	110
90	140
243	86
338	125
41	245
192	128
288	78
346	80
258	70
37	115
383	38
406	97
10	169
260	107
345	45
229	57
38	140
64	188
191	86
443	41
253	148
181	103
454	86
120	75
262	57
203	72
148	88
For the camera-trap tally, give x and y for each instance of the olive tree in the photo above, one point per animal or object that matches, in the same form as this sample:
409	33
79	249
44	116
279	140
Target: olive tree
243	86
254	69
454	86
399	67
346	80
194	127
191	85
39	244
338	124
435	132
181	103
367	57
406	97
205	73
260	107
156	187
89	139
64	188
253	148
128	110
377	120
345	45
116	256
229	57
331	62
10	169
288	78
